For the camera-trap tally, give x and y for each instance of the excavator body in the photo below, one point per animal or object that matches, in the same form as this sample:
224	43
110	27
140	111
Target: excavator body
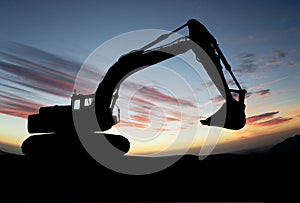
59	119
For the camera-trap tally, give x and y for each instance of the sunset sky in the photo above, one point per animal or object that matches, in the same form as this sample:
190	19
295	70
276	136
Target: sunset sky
43	45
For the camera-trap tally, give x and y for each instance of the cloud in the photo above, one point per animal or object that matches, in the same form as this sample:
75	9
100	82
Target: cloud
247	63
263	85
294	62
267	119
145	109
274	121
262	92
139	109
248	94
131	123
210	84
43	78
277	57
18	106
253	119
142	102
152	94
280	58
139	125
30	75
174	130
217	99
173	119
141	118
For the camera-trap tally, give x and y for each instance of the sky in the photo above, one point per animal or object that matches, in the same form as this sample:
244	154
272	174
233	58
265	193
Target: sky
46	47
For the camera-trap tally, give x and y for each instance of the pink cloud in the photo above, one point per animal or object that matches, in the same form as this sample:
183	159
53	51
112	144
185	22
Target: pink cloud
263	92
141	101
154	94
124	123
217	98
141	118
178	129
269	119
253	119
274	121
139	109
30	76
18	106
173	119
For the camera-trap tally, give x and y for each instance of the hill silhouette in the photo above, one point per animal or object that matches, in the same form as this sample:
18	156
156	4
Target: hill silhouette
1	153
291	144
77	177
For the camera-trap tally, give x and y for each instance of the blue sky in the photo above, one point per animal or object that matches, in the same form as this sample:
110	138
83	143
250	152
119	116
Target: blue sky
44	43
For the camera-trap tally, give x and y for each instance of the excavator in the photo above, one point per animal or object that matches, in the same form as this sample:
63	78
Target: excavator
58	120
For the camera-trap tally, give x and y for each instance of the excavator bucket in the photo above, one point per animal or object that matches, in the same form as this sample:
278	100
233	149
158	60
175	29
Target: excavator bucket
231	116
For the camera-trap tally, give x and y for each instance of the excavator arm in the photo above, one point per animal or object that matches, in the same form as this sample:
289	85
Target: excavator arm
134	61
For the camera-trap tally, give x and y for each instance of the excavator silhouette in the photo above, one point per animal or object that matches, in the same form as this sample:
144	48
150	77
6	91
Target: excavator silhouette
56	122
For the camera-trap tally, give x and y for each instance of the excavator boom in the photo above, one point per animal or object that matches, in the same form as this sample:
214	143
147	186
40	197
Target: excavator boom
145	57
